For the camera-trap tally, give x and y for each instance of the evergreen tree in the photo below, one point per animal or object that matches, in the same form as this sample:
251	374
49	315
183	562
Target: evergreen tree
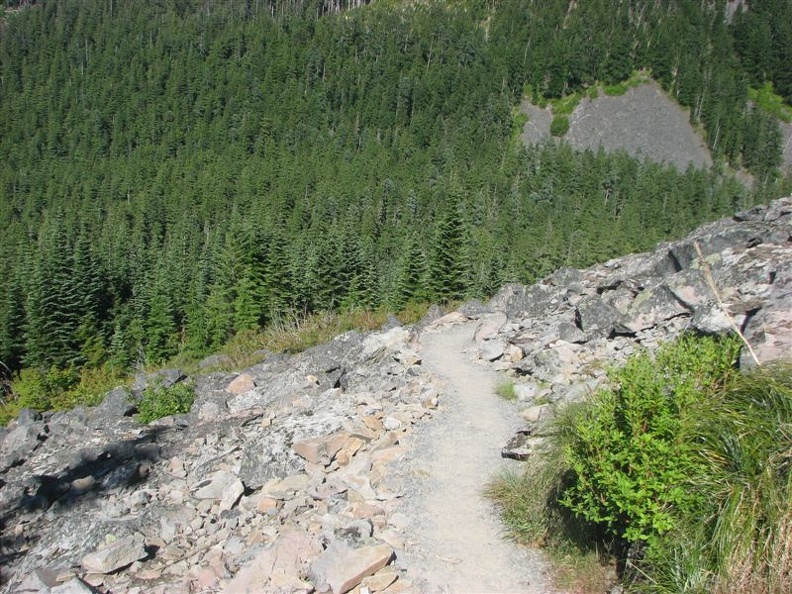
449	266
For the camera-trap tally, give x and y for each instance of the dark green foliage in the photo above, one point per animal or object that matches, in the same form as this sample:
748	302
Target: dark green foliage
761	38
559	126
449	266
158	402
762	141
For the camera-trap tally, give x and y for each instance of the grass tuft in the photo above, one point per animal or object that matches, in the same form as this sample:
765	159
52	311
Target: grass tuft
505	389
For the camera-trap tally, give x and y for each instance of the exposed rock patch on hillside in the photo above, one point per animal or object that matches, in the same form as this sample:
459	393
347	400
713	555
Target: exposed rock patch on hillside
282	478
644	122
786	154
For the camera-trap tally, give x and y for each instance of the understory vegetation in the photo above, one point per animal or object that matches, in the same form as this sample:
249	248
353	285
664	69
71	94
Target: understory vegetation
160	401
177	174
679	469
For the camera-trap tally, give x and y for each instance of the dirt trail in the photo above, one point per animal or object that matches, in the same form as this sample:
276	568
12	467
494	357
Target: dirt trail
457	542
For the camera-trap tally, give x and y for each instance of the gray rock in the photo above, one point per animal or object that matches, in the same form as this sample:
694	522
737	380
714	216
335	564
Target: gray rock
74	586
489	327
652	307
118	402
770	331
597	318
215	486
570	333
564	277
712	319
164	378
265	457
356	533
116	555
521	446
526	392
340	568
690	288
629	123
20	443
474	309
39	580
28	416
231	495
490	350
241	384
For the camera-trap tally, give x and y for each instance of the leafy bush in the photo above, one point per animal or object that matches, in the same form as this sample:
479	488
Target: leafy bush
565	105
682	455
769	102
559	126
158	402
628	451
615	90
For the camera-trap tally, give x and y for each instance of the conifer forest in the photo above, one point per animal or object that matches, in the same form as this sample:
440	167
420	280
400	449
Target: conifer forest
173	172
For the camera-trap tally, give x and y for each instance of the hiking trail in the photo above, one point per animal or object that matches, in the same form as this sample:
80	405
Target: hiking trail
456	541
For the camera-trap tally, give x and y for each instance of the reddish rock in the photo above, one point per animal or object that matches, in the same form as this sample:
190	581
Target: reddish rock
241	384
340	569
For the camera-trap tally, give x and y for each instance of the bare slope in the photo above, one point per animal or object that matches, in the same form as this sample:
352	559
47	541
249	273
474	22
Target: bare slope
644	122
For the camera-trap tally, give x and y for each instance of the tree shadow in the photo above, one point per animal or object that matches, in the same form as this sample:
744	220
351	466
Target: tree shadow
120	465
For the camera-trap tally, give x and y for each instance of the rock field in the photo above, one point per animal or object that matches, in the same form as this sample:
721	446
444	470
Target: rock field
644	122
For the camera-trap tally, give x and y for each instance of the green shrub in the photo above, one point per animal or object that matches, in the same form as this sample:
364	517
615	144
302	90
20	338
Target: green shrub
771	103
565	105
559	126
45	390
628	450
58	389
682	455
158	402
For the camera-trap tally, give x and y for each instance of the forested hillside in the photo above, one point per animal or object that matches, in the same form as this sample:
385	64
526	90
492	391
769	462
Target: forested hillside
172	172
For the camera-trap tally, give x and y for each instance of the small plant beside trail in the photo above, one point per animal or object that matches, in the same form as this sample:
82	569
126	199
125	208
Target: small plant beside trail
682	461
505	389
629	450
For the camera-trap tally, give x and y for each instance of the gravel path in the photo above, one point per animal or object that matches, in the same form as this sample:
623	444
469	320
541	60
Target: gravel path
456	541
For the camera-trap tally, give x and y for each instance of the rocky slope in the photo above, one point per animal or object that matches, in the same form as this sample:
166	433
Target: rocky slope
284	478
644	122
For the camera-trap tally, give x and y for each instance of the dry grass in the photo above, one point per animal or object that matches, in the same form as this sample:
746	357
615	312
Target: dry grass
295	334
